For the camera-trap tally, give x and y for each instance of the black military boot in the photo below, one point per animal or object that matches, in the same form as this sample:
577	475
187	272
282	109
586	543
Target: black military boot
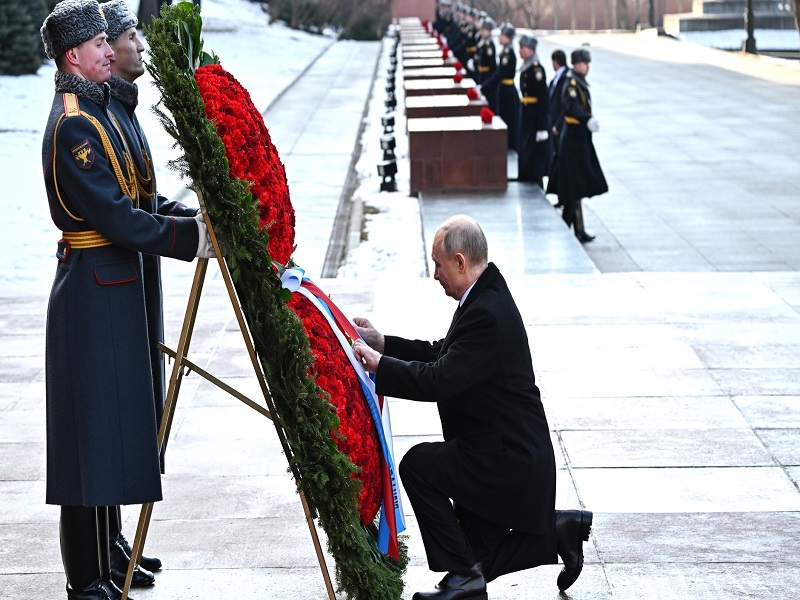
104	554
120	559
79	552
580	232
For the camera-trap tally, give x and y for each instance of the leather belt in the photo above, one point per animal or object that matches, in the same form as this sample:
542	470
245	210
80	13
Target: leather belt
529	100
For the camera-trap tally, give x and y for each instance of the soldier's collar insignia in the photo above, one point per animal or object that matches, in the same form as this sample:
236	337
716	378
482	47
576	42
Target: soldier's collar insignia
83	155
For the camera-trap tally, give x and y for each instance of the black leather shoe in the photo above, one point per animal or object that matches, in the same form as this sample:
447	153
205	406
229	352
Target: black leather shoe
584	237
458	585
572	529
147	563
119	569
99	590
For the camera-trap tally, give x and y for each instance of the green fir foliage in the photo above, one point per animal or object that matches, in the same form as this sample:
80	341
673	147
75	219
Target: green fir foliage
21	48
303	410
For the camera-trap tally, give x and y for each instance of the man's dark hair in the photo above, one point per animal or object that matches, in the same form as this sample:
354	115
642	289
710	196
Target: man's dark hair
559	57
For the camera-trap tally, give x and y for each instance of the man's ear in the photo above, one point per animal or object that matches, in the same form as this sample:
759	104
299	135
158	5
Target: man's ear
72	56
462	262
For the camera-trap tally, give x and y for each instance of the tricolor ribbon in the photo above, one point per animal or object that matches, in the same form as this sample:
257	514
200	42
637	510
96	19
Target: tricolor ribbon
392	521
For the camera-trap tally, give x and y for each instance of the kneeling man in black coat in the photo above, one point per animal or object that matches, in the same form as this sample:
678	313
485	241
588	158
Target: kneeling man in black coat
484	498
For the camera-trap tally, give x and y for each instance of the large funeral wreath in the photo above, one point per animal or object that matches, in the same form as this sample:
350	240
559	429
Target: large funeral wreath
230	158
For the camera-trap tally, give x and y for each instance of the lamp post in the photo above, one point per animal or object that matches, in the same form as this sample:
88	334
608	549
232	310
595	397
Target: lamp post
749	24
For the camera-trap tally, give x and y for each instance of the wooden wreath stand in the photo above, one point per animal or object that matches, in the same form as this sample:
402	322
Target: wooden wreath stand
181	365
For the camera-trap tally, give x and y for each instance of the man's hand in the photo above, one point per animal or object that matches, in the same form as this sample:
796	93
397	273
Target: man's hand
366	356
371	336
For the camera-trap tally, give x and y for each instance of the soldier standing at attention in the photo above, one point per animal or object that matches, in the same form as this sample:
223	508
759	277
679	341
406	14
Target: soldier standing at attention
126	67
486	64
503	79
101	443
579	172
535	146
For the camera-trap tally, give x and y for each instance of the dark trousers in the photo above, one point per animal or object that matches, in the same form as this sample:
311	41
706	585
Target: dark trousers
456	538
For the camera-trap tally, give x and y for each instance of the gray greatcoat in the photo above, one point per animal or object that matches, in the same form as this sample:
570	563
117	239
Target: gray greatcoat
101	442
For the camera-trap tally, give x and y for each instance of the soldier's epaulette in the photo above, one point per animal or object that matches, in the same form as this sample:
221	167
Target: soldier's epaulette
71	106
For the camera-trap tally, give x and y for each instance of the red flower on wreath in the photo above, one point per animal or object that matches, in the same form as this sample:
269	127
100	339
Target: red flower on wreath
458	78
458	65
487	115
472	93
251	154
253	157
358	439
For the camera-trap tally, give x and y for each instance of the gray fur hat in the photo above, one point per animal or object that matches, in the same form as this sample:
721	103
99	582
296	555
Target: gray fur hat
71	23
581	55
508	30
528	41
119	18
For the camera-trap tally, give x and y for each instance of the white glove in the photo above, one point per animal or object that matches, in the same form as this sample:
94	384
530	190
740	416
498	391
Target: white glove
204	247
593	125
541	136
470	65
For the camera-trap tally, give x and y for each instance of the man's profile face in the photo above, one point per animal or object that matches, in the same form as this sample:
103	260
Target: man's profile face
92	58
128	62
446	268
581	67
525	52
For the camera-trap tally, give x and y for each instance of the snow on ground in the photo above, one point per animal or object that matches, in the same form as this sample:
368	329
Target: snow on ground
266	59
391	240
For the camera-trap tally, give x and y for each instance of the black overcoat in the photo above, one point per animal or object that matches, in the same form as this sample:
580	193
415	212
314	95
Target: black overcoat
101	443
481	377
579	172
124	100
486	66
507	95
534	157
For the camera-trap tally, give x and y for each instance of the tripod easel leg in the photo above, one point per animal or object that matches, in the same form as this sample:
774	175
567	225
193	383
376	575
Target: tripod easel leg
174	387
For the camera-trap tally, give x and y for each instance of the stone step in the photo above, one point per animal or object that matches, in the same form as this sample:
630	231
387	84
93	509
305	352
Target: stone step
737	7
676	24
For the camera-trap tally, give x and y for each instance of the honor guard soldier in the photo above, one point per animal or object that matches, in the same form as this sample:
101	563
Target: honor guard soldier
486	64
579	172
127	66
507	95
535	144
102	447
470	34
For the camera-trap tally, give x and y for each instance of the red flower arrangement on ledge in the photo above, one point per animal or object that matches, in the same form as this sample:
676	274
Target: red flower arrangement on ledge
487	115
458	78
472	93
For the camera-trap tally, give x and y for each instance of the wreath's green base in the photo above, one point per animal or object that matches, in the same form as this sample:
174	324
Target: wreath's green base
304	413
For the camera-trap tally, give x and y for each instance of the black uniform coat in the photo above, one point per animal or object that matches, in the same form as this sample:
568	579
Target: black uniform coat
124	99
482	379
486	65
507	96
101	443
579	172
556	93
534	157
